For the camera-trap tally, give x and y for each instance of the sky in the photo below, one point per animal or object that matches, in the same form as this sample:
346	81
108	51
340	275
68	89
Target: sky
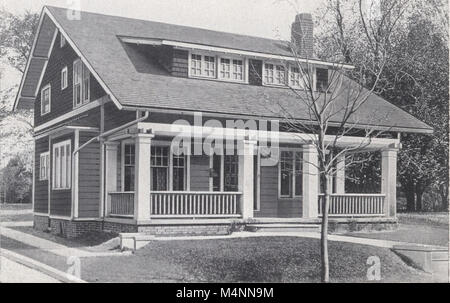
264	18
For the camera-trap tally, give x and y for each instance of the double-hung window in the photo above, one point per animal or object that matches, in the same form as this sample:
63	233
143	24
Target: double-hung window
179	172
81	83
225	68
44	166
128	167
160	168
225	173
62	41
46	94
290	174
274	74
62	162
64	78
203	66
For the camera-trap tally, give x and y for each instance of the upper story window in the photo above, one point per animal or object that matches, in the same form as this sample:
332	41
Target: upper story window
46	94
274	74
203	66
232	69
44	166
64	78
62	41
321	79
81	80
62	165
294	77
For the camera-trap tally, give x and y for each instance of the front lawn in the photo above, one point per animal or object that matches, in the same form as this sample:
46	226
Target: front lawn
435	219
259	259
15	206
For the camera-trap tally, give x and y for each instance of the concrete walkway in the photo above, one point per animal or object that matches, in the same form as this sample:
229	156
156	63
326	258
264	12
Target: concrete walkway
13	272
313	235
12	212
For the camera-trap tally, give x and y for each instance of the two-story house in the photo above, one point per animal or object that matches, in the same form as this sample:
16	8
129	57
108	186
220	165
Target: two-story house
109	93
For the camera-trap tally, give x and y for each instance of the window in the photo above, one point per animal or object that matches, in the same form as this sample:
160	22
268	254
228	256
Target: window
46	94
225	68
290	174
322	79
196	65
129	157
225	173
64	78
62	165
81	76
294	77
231	173
159	168
62	41
203	66
238	70
210	66
274	74
44	166
179	172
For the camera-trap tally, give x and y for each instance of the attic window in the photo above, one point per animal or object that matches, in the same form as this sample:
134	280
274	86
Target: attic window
81	85
46	100
274	74
322	79
62	41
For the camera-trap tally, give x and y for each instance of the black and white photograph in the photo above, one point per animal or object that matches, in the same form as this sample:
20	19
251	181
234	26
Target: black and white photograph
241	144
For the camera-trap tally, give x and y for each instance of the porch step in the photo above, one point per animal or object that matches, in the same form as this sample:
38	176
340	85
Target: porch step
286	227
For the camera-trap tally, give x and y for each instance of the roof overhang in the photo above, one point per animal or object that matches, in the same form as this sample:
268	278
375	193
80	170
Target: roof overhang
187	45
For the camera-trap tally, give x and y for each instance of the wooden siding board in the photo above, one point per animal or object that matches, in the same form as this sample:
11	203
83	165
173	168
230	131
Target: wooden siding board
40	187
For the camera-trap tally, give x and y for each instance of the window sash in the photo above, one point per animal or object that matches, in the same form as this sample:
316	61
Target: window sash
64	78
81	83
62	165
62	41
45	100
290	174
44	166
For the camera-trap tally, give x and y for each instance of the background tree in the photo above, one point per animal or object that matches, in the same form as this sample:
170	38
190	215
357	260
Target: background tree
16	179
16	39
415	77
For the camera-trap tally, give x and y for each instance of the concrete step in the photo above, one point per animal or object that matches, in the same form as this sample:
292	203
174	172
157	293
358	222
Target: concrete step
279	227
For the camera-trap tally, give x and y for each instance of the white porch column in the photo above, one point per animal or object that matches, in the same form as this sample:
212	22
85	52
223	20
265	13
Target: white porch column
340	175
310	182
246	178
389	180
142	177
111	172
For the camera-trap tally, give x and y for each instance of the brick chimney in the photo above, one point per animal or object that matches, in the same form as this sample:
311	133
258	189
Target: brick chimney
302	33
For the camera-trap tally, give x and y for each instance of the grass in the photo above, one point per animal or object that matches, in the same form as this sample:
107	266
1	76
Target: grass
15	206
86	240
259	259
436	219
16	218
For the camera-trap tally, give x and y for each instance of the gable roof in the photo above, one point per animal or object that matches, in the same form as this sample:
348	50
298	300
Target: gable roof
113	63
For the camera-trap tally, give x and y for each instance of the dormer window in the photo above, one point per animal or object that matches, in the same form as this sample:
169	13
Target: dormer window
231	69
294	77
203	66
274	74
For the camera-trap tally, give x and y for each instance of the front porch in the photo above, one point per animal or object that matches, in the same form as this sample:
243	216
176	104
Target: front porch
147	184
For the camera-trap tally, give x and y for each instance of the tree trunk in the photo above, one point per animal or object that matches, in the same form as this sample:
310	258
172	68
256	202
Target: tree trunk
419	195
325	277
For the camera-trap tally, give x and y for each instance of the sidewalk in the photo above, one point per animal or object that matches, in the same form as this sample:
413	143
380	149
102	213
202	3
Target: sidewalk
13	272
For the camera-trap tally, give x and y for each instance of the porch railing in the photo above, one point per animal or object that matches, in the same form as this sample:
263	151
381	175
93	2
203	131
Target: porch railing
354	205
194	204
121	204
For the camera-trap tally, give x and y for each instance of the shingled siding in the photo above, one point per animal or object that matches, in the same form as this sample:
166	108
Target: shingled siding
180	63
60	200
40	187
89	177
61	100
270	204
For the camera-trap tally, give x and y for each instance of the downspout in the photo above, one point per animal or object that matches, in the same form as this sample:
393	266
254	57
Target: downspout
97	138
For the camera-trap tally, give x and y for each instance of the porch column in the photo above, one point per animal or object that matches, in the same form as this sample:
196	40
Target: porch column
246	178
142	176
340	175
310	182
111	172
389	180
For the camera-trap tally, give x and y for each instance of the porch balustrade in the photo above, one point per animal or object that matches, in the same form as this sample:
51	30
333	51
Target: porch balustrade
354	205
165	204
